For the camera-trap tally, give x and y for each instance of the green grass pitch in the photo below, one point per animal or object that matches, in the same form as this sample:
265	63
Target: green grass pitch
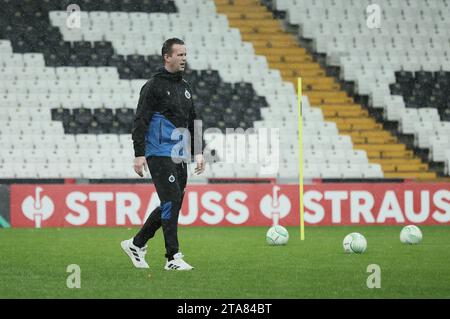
230	262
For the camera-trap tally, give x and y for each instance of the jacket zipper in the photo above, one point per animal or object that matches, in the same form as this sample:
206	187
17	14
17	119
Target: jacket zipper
179	100
160	132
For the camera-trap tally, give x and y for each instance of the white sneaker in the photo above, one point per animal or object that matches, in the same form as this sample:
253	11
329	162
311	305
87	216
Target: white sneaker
136	254
177	263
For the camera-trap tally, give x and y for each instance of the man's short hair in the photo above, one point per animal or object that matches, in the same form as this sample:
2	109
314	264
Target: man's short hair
167	47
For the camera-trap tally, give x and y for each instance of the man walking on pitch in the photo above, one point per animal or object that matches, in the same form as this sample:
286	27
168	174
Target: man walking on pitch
165	110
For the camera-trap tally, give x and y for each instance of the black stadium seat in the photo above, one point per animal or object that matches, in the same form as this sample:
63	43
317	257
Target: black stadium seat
61	114
96	60
83	49
125	117
74	60
103	49
94	128
236	104
136	63
83	116
104	117
130	5
117	60
73	127
202	90
211	77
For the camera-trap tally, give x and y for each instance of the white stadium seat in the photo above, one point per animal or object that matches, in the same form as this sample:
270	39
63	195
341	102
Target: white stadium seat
216	43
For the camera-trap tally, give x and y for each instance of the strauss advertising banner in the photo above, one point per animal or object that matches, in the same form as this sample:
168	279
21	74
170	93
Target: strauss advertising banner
232	204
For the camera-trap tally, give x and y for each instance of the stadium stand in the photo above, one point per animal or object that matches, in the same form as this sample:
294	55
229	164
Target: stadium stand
403	67
68	95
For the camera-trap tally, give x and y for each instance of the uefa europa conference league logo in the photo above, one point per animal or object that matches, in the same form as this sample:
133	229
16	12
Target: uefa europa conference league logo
275	207
38	208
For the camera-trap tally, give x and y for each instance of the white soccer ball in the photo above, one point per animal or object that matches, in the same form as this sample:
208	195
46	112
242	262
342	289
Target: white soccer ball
354	243
277	235
411	234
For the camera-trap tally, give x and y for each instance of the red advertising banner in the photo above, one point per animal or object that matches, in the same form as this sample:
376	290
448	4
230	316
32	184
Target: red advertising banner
232	204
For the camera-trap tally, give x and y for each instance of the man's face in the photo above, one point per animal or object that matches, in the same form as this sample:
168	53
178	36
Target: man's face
177	61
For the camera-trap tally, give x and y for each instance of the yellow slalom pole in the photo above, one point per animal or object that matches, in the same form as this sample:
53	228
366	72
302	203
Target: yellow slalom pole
300	160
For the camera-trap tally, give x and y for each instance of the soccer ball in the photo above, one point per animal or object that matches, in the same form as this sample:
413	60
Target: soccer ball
355	243
411	235
277	235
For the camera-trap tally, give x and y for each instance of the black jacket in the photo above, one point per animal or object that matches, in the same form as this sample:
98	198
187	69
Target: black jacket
168	96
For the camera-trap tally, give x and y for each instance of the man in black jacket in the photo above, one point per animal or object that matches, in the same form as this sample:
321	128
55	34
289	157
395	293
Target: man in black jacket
163	135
